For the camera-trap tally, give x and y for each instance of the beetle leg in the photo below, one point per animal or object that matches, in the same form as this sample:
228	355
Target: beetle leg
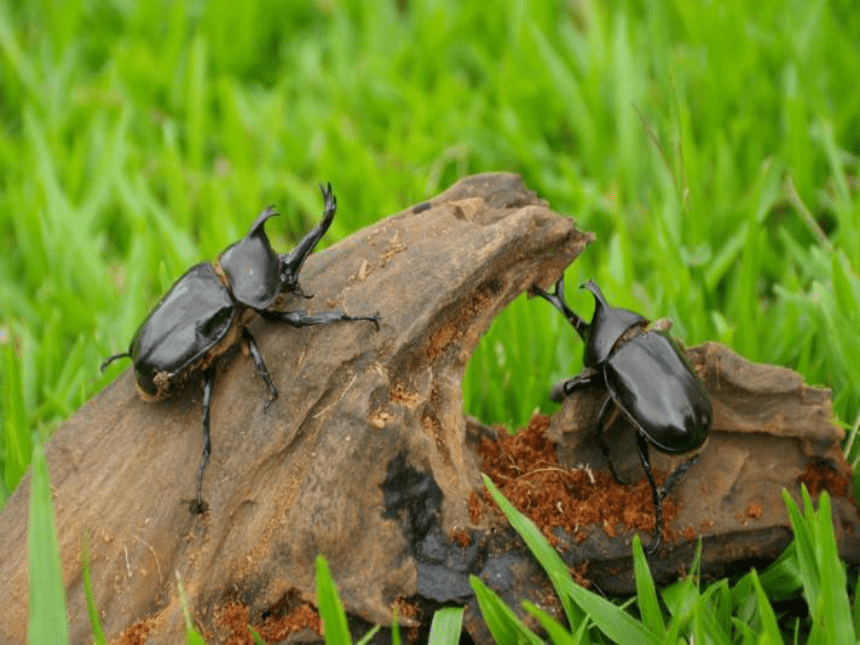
589	377
111	359
199	506
299	318
261	366
606	410
680	470
652	548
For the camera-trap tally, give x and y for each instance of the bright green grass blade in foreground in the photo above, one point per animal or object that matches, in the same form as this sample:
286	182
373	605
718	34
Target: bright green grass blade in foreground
446	626
558	633
832	609
805	547
48	624
369	635
192	636
395	628
646	593
92	610
769	628
612	620
500	619
548	557
330	608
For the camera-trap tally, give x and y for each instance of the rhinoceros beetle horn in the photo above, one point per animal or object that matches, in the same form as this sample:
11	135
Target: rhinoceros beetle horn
556	299
252	266
291	263
607	325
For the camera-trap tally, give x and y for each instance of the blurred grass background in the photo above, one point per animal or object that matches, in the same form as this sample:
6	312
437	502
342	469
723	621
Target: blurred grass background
713	148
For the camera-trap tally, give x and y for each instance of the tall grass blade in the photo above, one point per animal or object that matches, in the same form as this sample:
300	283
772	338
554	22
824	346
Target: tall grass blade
92	610
329	606
192	636
48	624
549	559
503	623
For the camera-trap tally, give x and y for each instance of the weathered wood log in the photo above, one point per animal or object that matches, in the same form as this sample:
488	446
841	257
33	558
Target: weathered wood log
362	417
366	456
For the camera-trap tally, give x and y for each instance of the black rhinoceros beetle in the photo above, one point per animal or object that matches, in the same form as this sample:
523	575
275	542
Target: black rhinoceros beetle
648	380
206	311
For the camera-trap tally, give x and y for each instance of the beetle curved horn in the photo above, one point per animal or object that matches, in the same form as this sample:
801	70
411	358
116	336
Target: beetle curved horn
556	299
262	218
291	263
608	317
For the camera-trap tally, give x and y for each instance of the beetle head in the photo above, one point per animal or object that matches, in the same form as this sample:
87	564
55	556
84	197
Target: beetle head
607	325
252	267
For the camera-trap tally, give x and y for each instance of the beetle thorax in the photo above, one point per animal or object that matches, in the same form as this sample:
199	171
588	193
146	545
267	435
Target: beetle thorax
632	332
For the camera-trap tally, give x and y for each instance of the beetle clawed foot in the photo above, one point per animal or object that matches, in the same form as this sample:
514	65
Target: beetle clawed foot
328	196
111	359
375	318
654	546
558	290
298	291
269	403
198	507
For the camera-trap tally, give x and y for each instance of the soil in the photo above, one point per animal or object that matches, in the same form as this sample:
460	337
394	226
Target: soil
525	468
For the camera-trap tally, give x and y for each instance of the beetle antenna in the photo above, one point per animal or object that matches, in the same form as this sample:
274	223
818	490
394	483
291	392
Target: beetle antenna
556	299
111	359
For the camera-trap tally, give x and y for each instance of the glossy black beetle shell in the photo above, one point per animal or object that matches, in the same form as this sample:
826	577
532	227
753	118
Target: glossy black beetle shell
179	334
647	375
675	419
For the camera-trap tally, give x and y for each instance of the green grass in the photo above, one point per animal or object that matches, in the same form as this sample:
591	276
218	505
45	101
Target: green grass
722	613
47	620
713	148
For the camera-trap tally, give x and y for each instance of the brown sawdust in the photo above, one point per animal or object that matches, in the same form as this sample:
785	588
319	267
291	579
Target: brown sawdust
460	536
754	511
233	618
136	634
411	611
525	468
820	476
